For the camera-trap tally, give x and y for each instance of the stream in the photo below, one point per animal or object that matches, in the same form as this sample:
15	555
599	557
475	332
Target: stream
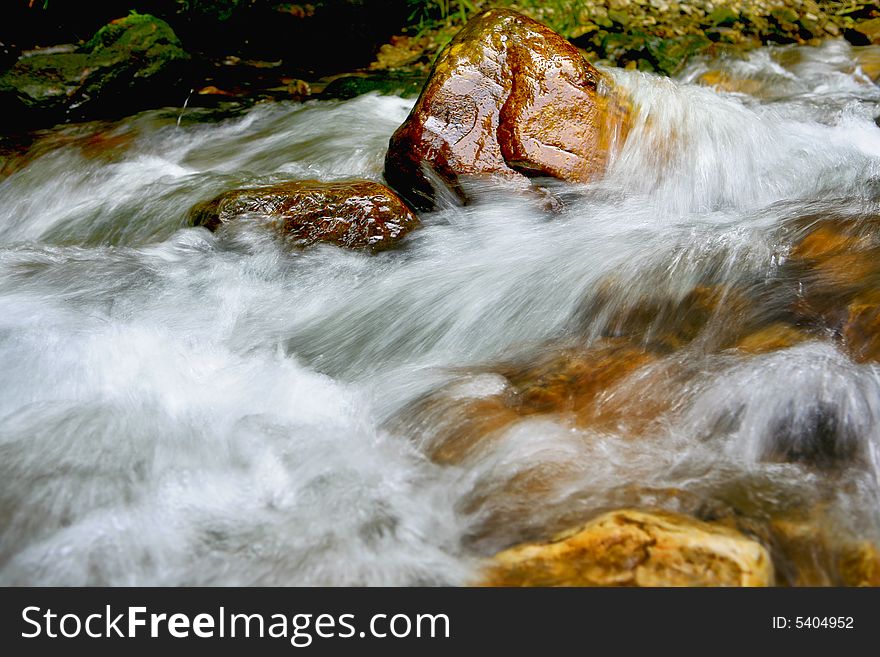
182	407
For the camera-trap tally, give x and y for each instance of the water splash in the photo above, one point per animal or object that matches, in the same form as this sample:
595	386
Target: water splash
183	109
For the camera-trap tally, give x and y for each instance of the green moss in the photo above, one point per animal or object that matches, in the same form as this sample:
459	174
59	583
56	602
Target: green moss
784	14
622	47
44	81
723	16
619	17
670	55
220	10
135	31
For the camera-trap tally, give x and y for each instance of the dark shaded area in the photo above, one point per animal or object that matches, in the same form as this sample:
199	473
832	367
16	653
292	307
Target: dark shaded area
131	63
389	83
25	24
321	36
52	68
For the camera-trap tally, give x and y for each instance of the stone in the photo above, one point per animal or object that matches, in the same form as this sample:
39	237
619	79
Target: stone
772	338
130	64
812	554
861	331
476	425
357	214
586	387
723	15
669	323
636	548
724	81
868	60
401	51
834	261
864	33
507	98
669	56
575	381
859	564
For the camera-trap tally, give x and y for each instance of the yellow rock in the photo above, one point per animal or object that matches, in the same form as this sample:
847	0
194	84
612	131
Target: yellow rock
861	330
868	59
815	555
723	81
636	548
826	239
770	338
860	565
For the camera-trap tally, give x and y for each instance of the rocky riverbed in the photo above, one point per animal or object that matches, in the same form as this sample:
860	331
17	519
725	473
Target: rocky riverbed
656	35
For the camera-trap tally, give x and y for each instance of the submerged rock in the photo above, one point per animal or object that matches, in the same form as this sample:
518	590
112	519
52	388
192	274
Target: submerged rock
772	337
636	548
861	330
809	554
835	265
356	214
670	55
725	81
132	63
507	97
574	385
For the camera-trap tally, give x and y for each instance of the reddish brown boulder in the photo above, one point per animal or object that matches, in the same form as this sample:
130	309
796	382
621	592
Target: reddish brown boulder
508	96
356	214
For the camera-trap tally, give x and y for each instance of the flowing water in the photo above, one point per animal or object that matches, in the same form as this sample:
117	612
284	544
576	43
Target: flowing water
182	407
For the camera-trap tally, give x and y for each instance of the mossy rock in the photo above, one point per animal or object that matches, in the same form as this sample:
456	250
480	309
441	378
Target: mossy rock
133	32
619	17
723	16
408	85
621	47
669	56
784	15
651	53
132	63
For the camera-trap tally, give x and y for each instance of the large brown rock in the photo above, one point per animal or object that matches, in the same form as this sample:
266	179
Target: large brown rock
356	214
508	96
636	548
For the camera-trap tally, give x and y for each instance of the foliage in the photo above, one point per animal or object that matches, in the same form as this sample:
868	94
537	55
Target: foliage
431	14
219	9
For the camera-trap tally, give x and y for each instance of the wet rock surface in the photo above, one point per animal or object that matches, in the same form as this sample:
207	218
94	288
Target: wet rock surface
507	98
635	548
356	214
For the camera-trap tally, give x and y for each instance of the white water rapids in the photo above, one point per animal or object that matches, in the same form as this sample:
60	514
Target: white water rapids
182	407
